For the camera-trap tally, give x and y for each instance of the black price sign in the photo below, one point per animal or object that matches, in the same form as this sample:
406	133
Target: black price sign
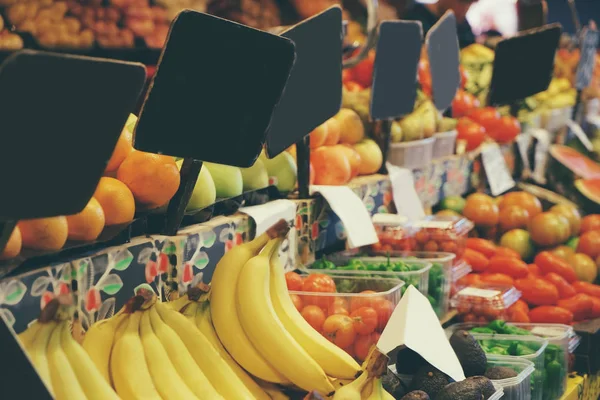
587	62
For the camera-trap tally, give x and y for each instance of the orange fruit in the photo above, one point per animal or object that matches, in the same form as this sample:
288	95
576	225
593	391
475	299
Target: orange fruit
86	225
522	199
572	214
353	157
122	150
116	201
331	166
13	246
152	178
589	243
333	132
44	233
513	217
318	136
481	210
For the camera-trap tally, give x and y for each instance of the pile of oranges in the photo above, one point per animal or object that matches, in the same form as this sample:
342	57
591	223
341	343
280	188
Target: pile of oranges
132	179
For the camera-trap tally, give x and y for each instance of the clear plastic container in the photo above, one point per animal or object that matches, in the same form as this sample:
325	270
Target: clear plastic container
459	270
393	233
444	144
484	302
519	387
442	233
412	155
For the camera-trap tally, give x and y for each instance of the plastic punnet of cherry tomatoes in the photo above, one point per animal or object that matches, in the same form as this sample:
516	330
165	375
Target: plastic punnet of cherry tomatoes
471	132
339	329
463	103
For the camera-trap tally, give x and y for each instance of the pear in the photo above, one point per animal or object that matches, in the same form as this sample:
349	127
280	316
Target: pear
255	177
428	114
396	132
204	193
228	180
284	171
447	124
412	127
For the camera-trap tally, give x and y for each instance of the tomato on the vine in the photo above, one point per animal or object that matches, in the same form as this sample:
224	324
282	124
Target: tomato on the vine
339	329
294	281
471	132
463	103
365	320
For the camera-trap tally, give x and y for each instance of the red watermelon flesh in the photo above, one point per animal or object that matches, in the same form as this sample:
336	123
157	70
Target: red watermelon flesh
590	188
581	165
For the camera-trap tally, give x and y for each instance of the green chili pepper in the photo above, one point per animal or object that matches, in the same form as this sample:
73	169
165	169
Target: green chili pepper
482	330
498	350
497	326
518	349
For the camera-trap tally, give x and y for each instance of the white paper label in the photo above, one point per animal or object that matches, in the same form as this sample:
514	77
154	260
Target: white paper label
548	332
496	169
351	211
578	131
405	195
523	143
476	292
434	224
541	154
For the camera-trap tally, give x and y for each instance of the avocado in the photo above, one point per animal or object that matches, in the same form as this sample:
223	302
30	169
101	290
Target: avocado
469	353
486	386
430	380
463	390
393	385
416	395
496	373
409	361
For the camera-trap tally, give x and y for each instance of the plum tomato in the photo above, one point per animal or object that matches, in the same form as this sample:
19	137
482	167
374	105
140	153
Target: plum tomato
314	316
365	320
498	278
476	260
581	305
384	310
483	246
565	290
548	262
508	265
294	281
339	329
537	292
551	315
363	344
297	300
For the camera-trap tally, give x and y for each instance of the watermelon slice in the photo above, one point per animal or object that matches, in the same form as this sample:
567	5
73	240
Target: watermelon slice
580	165
590	190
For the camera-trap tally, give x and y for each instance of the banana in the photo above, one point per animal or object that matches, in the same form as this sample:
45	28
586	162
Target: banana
164	375
274	392
214	367
352	390
387	396
376	390
92	381
267	333
224	311
183	361
28	335
64	381
204	323
334	361
179	303
99	340
38	352
129	370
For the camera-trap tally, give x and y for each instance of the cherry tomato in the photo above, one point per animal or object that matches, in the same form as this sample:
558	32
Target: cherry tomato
363	345
294	281
581	305
488	117
506	252
476	260
339	329
501	279
506	130
297	300
565	290
537	292
587	288
471	132
484	246
384	309
365	320
551	315
463	103
368	300
314	316
548	262
508	265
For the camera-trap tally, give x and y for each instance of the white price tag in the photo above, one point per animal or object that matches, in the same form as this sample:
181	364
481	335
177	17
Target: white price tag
578	131
548	332
496	169
351	211
476	292
542	150
523	143
405	195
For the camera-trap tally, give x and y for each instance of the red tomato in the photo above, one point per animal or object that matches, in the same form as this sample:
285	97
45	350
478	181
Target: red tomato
464	76
353	86
314	316
551	315
488	117
346	75
363	345
548	262
297	300
502	279
294	281
596	308
506	130
365	320
469	280
476	260
339	306
339	329
384	309
565	290
587	288
369	300
363	71
508	265
463	103
424	77
519	305
471	132
534	270
518	316
318	283
537	292
581	305
484	246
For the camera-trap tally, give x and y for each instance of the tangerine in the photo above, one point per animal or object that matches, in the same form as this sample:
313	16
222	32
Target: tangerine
481	210
333	132
116	201
13	246
44	233
122	149
152	178
522	199
331	166
87	225
513	217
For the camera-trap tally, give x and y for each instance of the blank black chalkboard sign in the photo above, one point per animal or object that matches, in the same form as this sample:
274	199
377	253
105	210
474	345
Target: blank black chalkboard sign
587	62
61	117
443	53
524	64
395	71
214	91
313	93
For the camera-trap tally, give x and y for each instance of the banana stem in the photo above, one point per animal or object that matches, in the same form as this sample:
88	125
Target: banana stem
279	230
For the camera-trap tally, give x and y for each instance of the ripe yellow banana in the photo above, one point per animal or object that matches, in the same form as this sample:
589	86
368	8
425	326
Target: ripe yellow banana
179	303
64	381
214	367
387	396
204	323
267	333
98	342
164	375
352	390
334	361
28	335
225	316
376	390
38	352
129	370
183	361
274	392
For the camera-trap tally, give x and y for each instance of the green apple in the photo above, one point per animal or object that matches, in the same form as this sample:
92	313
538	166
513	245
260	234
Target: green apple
284	171
228	180
204	193
255	177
